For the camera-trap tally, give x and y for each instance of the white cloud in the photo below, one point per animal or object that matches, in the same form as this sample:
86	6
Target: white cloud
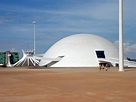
4	19
129	49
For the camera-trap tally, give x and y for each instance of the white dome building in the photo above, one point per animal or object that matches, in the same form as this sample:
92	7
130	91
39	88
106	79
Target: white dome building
80	50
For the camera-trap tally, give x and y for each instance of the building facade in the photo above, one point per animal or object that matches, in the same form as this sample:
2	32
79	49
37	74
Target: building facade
14	57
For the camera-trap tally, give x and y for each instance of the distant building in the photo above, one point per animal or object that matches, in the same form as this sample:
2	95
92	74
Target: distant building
14	57
28	59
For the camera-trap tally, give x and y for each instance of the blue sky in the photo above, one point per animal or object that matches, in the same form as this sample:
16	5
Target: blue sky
59	18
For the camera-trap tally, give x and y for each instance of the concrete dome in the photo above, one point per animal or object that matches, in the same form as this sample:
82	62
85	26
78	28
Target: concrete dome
79	50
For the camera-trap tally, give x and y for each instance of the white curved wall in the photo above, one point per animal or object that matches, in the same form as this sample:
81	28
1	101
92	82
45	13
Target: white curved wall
79	51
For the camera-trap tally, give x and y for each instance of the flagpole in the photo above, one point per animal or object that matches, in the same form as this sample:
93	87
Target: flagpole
34	22
121	52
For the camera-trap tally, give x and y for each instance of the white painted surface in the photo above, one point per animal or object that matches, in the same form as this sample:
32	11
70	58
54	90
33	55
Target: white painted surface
79	51
121	52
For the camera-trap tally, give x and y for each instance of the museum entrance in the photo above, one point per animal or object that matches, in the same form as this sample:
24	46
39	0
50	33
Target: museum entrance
100	54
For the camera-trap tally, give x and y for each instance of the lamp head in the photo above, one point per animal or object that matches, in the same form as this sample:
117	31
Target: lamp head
34	22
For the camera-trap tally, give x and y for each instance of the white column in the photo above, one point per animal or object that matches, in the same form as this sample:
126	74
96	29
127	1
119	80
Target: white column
34	22
8	59
121	52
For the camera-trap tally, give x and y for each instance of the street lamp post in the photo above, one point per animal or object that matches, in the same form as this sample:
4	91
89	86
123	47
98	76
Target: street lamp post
121	52
34	22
